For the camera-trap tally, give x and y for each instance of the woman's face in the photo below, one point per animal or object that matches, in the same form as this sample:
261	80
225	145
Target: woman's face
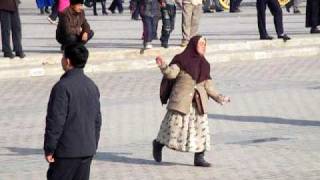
201	46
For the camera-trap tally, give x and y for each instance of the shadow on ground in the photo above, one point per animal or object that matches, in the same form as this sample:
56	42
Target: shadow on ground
121	157
264	119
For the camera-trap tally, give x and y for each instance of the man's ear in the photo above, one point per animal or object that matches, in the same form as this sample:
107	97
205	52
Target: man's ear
69	63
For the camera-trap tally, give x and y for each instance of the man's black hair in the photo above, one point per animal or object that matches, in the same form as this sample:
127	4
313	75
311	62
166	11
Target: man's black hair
74	2
77	54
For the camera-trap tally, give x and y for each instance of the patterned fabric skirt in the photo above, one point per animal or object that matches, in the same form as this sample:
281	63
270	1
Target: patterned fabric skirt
186	133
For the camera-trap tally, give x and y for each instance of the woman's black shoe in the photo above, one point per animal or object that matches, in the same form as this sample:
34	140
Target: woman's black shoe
105	13
8	55
314	31
266	38
284	37
157	151
21	55
199	160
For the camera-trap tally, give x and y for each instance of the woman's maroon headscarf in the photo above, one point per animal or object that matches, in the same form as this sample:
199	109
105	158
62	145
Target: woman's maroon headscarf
192	62
189	61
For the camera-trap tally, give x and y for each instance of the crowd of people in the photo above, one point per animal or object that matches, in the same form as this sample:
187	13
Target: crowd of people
73	120
150	12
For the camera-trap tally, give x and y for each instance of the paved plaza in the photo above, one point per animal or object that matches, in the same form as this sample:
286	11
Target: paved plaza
270	130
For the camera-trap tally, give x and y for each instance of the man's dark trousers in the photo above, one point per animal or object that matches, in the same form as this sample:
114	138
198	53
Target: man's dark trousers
10	21
168	14
116	4
276	11
234	5
54	14
70	169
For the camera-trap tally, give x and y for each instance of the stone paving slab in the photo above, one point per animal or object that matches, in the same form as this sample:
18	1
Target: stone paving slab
269	131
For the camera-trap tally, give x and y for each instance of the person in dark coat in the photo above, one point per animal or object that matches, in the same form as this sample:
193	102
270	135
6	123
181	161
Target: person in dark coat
103	6
73	26
10	23
150	14
44	5
73	120
276	11
168	15
313	15
116	4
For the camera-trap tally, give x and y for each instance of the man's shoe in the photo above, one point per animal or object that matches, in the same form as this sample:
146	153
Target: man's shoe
52	21
105	13
296	11
199	160
314	31
284	37
157	151
112	11
164	45
41	11
208	11
8	55
21	55
266	37
235	11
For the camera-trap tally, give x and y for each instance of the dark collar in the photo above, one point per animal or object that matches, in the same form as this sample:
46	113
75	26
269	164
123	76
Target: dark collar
72	72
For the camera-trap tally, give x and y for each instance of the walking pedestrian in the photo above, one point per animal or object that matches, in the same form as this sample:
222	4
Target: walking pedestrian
44	5
134	9
116	4
313	16
11	24
73	120
52	18
103	6
150	15
209	5
187	85
168	15
276	11
73	27
294	4
191	13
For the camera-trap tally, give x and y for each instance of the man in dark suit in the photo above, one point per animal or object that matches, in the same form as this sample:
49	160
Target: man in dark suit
10	21
313	15
73	120
276	11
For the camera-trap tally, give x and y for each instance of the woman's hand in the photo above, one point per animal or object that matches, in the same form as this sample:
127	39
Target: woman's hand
160	62
224	99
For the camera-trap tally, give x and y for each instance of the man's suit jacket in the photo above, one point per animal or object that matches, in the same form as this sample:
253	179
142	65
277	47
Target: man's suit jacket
73	117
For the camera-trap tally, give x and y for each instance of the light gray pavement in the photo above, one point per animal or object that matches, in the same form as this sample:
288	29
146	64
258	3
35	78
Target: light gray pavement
270	130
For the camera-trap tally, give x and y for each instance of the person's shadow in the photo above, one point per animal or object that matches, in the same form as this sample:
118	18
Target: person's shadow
264	119
117	157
